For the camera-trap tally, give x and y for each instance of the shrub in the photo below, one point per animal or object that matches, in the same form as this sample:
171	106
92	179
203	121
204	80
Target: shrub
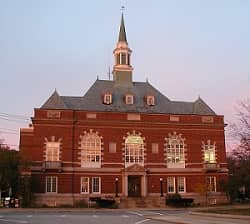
106	203
177	201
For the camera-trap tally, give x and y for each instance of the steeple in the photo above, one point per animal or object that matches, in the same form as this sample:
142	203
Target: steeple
122	70
122	33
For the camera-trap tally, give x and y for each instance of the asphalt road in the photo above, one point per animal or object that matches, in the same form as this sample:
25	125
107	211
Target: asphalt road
81	217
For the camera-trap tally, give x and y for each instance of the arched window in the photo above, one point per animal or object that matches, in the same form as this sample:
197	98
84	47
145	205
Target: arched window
134	150
90	150
175	149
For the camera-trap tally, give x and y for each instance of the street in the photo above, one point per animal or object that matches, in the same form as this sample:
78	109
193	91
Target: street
52	216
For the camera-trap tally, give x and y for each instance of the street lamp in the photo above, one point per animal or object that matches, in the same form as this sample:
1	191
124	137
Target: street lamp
116	186
161	187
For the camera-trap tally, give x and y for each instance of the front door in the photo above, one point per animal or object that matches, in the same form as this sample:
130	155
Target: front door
134	186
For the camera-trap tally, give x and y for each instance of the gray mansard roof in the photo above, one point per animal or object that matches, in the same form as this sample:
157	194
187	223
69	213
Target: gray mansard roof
93	100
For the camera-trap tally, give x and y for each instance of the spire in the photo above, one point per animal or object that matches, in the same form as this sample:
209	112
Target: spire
122	33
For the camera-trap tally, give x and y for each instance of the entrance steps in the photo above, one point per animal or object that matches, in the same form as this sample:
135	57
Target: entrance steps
142	202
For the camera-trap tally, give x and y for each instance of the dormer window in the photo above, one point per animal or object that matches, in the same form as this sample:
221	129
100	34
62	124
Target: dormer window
150	100
129	99
107	98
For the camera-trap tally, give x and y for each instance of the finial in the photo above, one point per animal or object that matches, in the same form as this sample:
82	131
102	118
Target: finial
97	77
146	79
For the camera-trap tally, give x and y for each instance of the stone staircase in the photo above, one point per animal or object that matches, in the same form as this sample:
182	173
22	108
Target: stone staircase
142	202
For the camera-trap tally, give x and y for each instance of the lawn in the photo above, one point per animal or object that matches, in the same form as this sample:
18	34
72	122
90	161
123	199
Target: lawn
233	211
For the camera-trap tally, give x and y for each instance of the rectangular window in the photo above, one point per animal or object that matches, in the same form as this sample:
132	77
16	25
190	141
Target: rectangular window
96	185
211	183
209	153
51	184
123	59
129	99
107	99
84	185
112	147
181	184
155	148
52	151
171	184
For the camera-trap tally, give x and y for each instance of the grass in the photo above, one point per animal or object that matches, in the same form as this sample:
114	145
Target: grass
233	211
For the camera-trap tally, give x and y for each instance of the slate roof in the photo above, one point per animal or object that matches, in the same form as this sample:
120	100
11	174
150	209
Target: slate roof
93	100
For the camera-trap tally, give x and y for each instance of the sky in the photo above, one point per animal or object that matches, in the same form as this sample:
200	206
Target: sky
185	48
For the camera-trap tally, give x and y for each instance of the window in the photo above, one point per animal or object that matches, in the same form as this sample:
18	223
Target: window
96	185
51	184
52	151
181	184
134	150
107	99
175	151
171	184
129	99
211	183
150	100
91	150
209	153
155	148
118	59
84	185
123	59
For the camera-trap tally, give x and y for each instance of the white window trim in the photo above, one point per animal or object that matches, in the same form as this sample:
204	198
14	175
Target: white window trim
93	185
209	148
131	97
168	185
135	156
184	182
86	153
150	100
210	183
107	98
87	192
54	148
50	192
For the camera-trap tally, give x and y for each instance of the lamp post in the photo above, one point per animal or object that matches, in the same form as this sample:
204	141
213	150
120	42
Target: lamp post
116	186
161	187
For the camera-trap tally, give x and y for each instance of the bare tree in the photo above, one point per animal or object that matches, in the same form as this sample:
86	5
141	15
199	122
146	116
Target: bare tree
239	160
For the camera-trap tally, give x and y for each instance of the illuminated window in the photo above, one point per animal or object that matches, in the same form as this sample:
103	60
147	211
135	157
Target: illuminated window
51	184
107	99
209	152
150	100
175	148
211	183
129	99
134	150
84	185
91	150
171	184
52	151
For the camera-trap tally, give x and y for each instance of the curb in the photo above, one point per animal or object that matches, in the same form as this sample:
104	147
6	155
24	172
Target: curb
220	215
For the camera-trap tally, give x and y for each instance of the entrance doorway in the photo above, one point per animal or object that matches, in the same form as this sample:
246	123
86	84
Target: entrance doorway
134	186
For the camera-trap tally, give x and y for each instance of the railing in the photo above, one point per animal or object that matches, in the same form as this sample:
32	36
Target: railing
52	165
211	167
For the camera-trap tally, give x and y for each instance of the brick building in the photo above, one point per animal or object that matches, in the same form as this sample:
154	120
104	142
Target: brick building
125	139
